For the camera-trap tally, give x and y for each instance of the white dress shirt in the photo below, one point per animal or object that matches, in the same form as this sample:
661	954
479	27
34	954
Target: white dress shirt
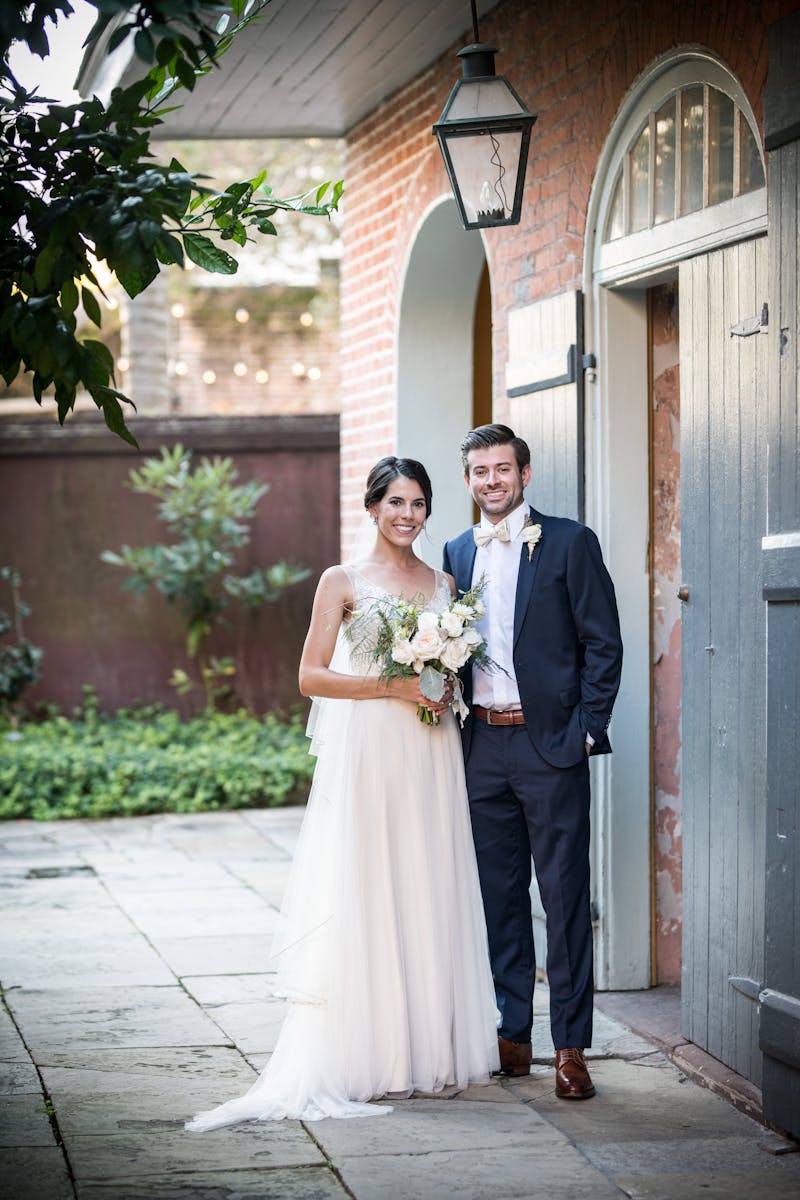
499	562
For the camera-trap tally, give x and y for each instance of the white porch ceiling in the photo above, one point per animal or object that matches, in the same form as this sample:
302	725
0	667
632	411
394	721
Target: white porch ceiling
315	67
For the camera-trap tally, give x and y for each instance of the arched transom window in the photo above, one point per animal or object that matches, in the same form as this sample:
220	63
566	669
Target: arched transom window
695	150
682	169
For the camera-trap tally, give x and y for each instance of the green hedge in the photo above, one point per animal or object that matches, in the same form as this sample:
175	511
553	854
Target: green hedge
150	760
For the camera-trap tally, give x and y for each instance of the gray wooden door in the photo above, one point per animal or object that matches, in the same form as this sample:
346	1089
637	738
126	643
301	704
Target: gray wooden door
723	519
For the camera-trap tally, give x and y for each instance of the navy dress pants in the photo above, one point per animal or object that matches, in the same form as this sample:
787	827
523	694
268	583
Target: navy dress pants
520	805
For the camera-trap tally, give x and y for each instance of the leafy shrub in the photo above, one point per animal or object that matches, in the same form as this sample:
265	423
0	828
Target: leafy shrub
149	760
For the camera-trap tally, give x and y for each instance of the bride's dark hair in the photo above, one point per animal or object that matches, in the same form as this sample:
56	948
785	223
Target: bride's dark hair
387	470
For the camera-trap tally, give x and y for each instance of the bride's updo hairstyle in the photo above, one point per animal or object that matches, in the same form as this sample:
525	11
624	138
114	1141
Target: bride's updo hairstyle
387	470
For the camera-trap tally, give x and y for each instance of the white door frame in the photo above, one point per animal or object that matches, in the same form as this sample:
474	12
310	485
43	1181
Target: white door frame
617	450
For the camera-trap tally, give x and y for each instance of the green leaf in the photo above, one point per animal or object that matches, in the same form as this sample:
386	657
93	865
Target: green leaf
113	416
101	353
202	251
90	306
69	297
144	47
43	268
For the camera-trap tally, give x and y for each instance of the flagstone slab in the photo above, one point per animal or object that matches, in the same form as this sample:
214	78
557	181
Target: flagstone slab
60	896
430	1126
301	1183
12	1047
237	954
84	924
110	1017
268	879
132	880
35	1173
51	962
131	1093
637	1103
19	1078
243	1006
511	1172
94	1066
688	1156
220	912
160	1151
24	1121
714	1185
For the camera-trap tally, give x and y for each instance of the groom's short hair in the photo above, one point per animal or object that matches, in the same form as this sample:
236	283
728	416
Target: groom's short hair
494	435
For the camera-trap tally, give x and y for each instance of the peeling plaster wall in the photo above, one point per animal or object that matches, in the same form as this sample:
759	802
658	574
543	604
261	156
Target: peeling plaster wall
666	518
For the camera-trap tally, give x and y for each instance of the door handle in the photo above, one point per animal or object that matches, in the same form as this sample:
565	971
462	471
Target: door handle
683	593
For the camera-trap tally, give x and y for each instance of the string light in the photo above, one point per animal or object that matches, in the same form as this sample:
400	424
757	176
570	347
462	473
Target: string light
181	368
262	376
306	320
240	369
242	316
209	377
314	373
123	364
298	369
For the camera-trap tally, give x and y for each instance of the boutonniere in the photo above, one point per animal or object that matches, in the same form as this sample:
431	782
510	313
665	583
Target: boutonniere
531	535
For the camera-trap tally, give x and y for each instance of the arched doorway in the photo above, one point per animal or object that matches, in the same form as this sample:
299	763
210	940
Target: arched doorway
443	362
676	262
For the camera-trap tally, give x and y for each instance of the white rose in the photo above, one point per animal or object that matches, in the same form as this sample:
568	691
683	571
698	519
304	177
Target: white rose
454	654
426	644
402	652
472	638
465	611
427	621
452	624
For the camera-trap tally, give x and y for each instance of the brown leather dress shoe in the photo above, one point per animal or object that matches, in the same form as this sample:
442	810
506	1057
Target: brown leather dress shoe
515	1057
573	1081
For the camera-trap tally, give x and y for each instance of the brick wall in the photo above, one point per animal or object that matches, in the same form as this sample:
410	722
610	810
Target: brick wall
573	65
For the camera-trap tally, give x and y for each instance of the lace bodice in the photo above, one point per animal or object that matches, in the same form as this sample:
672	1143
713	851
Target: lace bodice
370	599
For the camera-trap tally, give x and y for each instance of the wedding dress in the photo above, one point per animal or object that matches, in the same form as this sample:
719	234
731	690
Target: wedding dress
382	950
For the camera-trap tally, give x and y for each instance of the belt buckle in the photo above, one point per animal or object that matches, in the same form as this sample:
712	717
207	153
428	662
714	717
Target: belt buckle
489	713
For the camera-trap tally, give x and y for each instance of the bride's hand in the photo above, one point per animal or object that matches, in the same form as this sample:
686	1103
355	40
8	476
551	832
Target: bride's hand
409	689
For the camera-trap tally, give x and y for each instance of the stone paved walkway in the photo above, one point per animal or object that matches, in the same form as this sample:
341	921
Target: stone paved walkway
133	960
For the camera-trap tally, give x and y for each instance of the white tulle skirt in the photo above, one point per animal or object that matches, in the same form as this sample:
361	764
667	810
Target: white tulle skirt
382	949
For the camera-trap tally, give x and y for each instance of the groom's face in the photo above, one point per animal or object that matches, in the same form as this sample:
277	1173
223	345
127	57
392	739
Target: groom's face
496	481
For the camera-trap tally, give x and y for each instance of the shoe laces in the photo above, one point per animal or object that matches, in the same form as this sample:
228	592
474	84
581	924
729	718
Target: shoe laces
572	1055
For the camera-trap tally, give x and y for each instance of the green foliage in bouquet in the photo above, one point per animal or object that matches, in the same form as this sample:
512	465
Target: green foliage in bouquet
149	760
210	516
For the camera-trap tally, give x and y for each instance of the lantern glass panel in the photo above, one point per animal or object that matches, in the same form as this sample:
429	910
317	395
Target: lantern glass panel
486	166
482	98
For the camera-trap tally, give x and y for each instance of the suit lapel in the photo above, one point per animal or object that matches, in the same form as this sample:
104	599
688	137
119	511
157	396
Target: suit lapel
466	563
525	580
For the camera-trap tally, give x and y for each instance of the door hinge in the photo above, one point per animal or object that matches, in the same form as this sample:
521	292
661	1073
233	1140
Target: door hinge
747	987
751	325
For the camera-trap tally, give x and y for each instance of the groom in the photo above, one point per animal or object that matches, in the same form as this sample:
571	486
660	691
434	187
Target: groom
552	629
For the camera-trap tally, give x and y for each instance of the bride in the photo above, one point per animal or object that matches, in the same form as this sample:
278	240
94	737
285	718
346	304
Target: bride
382	950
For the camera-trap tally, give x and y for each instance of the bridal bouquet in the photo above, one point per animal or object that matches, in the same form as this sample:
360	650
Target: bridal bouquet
402	638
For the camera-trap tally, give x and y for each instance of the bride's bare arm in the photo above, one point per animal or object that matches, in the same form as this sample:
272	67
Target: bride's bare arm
333	600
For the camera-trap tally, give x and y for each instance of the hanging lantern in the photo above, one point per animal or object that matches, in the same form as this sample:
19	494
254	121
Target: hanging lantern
484	133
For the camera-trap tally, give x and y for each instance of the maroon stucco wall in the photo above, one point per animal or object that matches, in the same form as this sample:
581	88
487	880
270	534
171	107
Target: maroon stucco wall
63	500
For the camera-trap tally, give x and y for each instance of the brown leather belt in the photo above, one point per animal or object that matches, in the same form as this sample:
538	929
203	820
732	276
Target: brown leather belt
513	716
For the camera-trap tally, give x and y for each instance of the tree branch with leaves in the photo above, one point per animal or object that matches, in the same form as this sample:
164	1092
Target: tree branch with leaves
79	186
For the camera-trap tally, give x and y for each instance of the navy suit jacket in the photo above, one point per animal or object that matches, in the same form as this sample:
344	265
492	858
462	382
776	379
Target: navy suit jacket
567	644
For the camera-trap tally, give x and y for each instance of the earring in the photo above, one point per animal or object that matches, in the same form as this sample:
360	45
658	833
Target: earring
374	520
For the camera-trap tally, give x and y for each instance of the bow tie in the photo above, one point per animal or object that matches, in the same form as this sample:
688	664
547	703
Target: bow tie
484	535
